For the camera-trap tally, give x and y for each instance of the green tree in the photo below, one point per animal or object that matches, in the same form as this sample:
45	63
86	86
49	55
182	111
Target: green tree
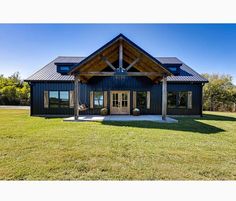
13	91
220	93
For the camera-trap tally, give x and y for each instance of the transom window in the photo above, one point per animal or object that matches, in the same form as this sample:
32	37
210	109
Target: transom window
98	99
141	99
182	99
58	99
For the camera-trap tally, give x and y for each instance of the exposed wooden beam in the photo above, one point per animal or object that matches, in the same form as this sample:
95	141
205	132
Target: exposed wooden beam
143	74
121	55
157	80
139	66
108	63
100	64
142	61
147	59
113	73
97	73
110	50
132	64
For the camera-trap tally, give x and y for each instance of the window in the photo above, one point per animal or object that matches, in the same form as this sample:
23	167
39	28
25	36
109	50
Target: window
53	99
172	69
65	68
58	99
64	99
124	100
141	99
98	99
171	100
115	100
182	99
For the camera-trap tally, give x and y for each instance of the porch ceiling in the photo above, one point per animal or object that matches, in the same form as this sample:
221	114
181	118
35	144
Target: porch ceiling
131	54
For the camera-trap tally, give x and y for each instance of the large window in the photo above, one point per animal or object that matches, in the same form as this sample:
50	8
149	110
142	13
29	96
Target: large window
64	99
98	99
141	99
58	99
172	96
182	99
53	99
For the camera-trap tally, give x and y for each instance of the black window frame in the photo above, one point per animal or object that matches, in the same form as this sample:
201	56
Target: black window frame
98	106
50	102
137	102
186	100
59	102
177	96
174	94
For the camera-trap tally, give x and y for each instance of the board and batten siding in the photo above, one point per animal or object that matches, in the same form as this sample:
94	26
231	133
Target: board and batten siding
133	84
37	99
196	90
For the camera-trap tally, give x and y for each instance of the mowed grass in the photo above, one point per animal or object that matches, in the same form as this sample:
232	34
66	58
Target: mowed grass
34	148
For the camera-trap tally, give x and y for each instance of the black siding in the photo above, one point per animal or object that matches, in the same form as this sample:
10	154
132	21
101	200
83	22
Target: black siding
196	98
113	83
37	99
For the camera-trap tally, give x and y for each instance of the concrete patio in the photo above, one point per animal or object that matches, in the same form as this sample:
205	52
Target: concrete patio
154	118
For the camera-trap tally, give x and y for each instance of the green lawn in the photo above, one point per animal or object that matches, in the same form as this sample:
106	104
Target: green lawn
34	148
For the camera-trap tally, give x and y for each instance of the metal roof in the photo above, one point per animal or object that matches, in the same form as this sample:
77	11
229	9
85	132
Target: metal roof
49	72
186	73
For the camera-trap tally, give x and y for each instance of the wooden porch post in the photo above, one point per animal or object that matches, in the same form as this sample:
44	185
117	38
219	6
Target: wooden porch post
164	97
76	97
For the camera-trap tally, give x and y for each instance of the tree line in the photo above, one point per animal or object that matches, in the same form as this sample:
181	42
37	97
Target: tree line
14	91
218	95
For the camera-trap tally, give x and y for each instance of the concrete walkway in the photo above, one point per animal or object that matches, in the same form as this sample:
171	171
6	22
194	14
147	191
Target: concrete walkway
14	107
155	118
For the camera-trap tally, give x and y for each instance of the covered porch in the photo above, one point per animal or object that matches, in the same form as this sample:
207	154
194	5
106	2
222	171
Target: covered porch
120	58
154	118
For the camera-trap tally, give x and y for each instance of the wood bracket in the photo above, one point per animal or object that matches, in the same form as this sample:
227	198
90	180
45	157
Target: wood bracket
108	62
132	64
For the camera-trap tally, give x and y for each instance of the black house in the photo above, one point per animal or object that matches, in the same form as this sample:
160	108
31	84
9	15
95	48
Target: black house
119	76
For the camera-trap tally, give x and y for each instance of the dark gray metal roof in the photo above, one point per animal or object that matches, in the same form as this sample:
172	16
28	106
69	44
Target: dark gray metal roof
186	73
49	72
169	60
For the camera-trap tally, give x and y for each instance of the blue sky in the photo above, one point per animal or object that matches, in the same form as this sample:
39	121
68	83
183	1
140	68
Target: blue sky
207	48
